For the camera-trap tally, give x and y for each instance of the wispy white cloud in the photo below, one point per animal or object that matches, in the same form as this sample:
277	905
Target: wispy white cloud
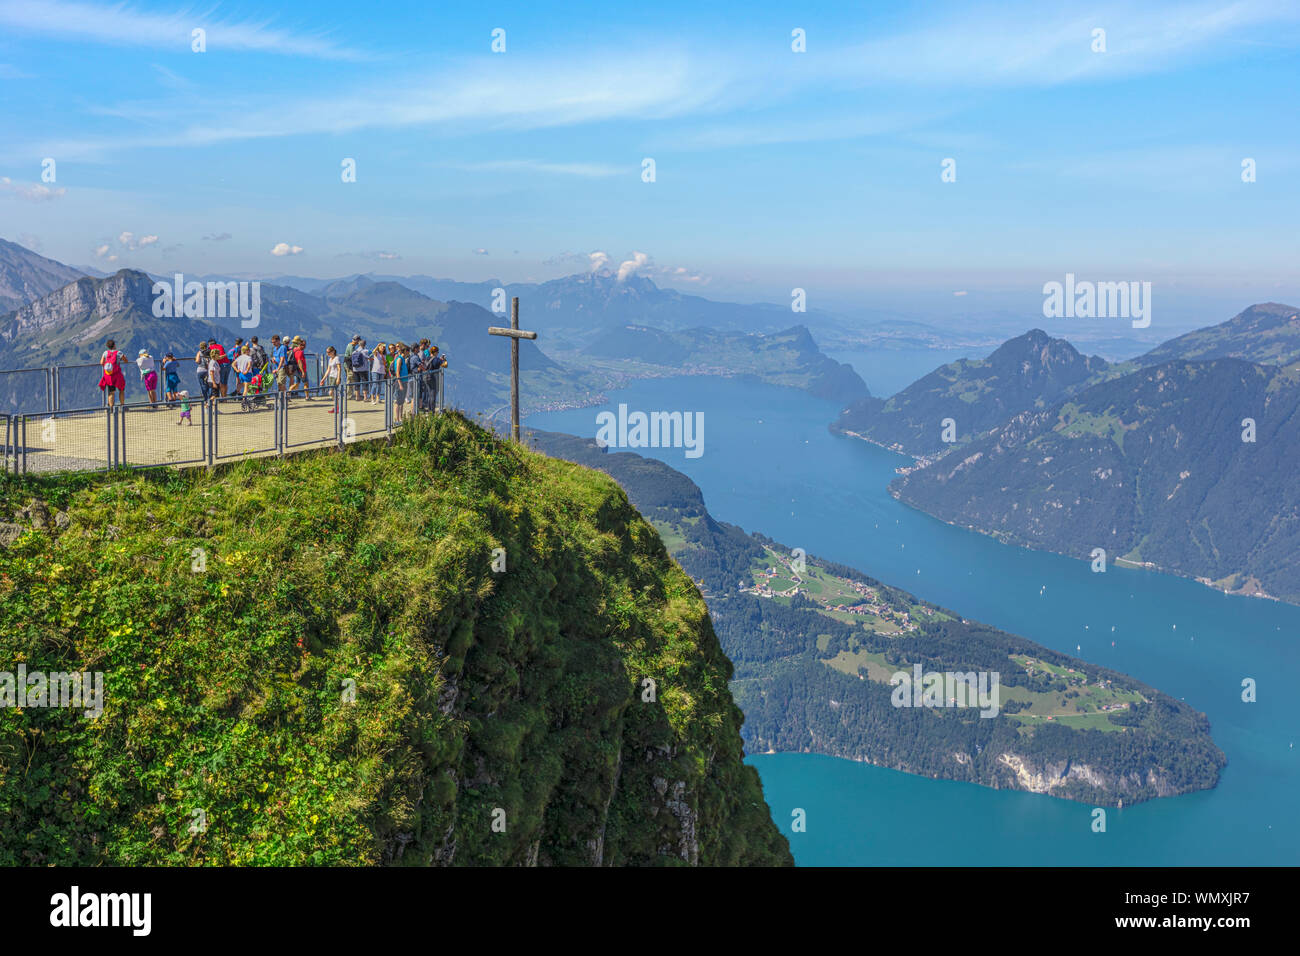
380	254
32	192
1032	44
133	242
520	95
285	249
124	25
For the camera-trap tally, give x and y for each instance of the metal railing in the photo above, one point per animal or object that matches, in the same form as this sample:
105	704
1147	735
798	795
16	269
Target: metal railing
155	435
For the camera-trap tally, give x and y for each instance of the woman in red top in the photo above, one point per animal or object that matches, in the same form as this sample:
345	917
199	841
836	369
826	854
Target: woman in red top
300	359
111	363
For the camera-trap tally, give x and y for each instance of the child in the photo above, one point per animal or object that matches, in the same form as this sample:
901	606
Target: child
184	396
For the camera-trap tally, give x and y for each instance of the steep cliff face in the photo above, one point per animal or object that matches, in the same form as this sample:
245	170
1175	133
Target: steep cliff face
1080	781
69	326
451	651
104	298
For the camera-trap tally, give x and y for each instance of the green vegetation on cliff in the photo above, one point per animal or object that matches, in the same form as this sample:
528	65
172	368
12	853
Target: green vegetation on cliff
500	717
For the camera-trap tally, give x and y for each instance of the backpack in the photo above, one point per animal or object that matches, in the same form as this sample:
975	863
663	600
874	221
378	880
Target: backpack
358	359
110	361
258	355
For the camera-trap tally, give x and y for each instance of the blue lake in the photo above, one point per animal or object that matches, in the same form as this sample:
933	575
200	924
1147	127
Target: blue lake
770	465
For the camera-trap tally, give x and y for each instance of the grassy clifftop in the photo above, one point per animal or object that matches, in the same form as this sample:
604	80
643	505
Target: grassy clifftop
499	717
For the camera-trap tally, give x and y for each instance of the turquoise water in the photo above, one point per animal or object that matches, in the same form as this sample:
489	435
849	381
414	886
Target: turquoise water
769	464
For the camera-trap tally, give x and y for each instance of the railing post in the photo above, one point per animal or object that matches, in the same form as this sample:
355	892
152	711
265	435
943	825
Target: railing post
209	409
281	421
24	431
52	383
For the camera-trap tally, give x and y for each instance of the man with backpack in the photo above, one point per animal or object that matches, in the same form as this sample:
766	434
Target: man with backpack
359	366
257	353
347	361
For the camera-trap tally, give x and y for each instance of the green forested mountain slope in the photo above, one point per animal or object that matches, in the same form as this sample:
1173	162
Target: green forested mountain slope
1030	371
1268	333
1152	467
344	672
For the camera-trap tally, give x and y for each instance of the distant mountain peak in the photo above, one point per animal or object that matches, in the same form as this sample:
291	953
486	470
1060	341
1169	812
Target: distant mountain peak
26	276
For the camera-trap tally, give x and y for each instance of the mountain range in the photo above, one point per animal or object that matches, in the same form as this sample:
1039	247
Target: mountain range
1183	459
1031	370
66	323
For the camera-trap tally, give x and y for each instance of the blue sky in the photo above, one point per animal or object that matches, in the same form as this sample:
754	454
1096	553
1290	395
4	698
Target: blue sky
774	169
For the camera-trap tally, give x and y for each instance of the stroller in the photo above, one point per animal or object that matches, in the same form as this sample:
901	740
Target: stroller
255	397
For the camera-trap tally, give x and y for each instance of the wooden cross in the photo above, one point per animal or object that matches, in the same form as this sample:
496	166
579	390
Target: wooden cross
514	335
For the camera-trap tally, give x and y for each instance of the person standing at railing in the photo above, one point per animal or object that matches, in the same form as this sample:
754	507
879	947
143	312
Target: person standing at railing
378	372
333	376
171	377
436	364
243	364
401	375
348	370
148	374
258	354
298	366
360	363
112	379
223	364
214	378
202	359
279	356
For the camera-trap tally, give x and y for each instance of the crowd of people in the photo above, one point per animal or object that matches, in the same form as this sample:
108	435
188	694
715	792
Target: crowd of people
362	370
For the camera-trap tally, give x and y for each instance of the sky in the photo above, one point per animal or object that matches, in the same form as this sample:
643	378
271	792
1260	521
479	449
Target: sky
1113	157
